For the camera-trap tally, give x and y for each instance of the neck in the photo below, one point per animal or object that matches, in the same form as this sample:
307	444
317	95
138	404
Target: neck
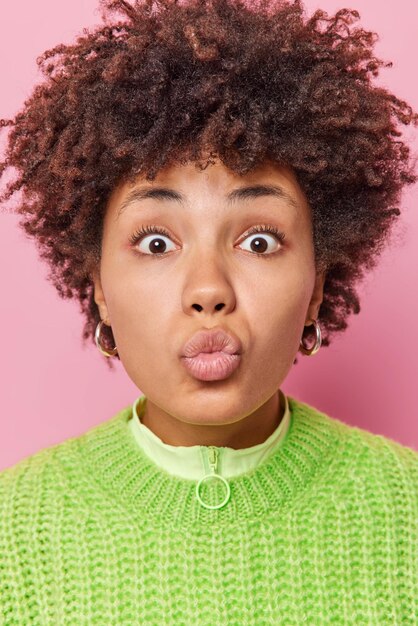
244	433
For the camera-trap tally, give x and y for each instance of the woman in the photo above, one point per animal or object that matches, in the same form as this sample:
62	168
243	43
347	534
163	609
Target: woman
211	180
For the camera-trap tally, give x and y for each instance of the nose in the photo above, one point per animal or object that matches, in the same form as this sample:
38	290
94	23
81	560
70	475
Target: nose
208	287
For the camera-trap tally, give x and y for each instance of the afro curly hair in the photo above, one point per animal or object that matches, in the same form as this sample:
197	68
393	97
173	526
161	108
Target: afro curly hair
167	82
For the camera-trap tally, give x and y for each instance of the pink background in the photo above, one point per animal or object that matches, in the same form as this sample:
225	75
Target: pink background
52	389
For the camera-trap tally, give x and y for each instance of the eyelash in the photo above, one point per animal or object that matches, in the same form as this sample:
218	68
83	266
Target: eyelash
140	233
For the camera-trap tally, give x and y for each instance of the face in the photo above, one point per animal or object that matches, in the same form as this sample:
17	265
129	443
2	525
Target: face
206	269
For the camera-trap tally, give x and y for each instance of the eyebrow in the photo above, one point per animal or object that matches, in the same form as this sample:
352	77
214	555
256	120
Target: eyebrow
241	193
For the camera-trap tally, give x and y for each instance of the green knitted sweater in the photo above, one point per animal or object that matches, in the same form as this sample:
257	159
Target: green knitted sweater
324	531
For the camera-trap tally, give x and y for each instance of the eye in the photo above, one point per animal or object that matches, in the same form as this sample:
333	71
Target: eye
260	243
152	245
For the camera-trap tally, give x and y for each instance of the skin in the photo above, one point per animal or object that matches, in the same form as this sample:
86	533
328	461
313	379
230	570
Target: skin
209	275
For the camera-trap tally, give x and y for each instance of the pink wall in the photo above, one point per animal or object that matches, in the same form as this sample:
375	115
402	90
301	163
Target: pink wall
52	389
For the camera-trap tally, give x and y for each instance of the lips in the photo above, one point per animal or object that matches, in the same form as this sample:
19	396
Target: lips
212	354
212	340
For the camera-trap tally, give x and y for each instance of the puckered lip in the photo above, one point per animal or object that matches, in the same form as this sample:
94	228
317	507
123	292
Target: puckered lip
212	340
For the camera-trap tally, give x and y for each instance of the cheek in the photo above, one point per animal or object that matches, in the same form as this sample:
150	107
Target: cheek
140	306
147	326
277	309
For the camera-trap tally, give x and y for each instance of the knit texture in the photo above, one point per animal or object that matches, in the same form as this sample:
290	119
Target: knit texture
324	531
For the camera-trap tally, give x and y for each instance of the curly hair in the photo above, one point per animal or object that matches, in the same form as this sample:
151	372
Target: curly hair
165	83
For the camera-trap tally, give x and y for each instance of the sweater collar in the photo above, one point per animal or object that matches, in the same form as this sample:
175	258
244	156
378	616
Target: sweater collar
137	487
192	461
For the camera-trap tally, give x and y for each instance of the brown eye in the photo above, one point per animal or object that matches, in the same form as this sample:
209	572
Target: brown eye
152	239
263	240
154	245
259	244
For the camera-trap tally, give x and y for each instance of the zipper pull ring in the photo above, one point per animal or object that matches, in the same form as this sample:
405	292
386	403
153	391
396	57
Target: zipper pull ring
212	456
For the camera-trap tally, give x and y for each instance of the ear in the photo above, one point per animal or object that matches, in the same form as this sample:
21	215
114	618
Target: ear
99	295
317	296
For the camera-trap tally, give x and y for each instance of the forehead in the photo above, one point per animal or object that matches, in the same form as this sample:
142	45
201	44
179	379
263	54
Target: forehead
186	184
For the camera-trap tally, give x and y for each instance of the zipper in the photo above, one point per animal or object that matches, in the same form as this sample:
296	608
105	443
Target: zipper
211	456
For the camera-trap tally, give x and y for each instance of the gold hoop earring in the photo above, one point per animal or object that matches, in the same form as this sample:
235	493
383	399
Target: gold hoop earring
113	351
317	344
